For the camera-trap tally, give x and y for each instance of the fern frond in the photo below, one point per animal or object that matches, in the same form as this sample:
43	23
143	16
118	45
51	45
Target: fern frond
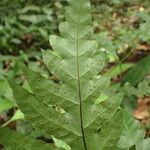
70	109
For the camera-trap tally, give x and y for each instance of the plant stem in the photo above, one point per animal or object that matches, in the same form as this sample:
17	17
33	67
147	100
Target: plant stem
79	86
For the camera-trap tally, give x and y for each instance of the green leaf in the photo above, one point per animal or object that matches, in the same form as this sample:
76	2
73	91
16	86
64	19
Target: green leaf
143	88
17	116
132	133
5	90
137	73
101	99
5	95
67	109
27	86
16	141
48	116
5	105
115	71
30	8
61	144
143	145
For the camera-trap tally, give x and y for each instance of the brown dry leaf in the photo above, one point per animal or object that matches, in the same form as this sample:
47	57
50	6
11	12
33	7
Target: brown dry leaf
142	112
7	65
144	48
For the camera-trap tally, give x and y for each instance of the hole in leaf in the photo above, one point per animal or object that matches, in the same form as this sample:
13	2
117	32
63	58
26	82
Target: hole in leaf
99	130
44	139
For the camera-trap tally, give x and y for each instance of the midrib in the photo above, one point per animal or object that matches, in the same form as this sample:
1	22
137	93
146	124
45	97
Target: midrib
78	80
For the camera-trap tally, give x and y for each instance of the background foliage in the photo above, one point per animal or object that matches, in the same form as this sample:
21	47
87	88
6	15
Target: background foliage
122	28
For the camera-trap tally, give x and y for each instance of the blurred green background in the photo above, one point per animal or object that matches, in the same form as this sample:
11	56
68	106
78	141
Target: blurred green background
122	28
